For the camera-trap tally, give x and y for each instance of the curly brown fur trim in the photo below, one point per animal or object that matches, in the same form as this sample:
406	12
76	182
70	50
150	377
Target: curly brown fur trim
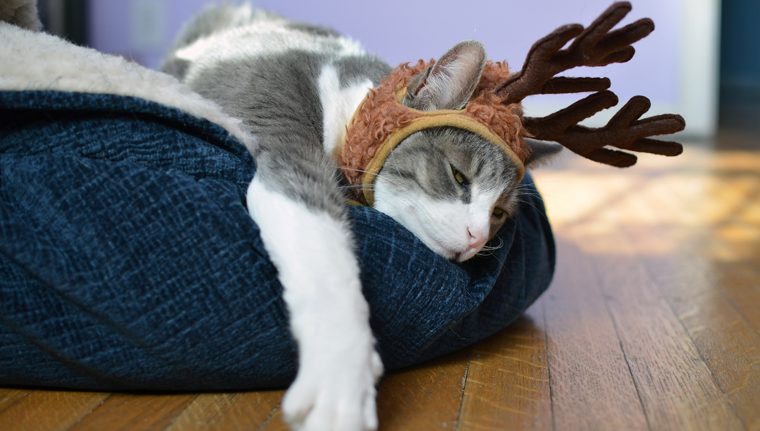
380	114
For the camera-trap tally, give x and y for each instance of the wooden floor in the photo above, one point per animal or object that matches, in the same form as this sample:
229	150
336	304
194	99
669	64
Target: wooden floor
652	322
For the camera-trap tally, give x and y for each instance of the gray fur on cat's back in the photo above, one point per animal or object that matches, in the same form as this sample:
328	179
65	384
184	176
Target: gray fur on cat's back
277	98
278	94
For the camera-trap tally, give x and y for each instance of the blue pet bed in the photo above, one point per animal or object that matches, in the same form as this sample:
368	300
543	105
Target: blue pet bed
128	260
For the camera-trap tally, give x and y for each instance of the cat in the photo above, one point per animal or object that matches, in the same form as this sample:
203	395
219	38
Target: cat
295	86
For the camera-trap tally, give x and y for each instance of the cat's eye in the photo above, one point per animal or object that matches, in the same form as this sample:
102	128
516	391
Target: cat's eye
459	176
498	213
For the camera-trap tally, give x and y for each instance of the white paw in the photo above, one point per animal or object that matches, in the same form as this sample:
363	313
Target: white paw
334	391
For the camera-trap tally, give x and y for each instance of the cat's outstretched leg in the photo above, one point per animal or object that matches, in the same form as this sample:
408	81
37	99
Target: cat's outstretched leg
306	233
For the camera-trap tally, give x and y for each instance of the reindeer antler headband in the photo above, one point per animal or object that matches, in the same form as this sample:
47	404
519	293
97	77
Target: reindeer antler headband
494	112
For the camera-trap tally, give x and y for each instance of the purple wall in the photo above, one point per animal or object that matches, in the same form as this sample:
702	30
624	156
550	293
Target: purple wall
402	31
118	27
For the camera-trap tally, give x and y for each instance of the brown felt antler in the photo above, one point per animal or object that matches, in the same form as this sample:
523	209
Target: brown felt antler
595	45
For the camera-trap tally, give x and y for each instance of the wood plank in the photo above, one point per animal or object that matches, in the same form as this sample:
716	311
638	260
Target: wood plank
275	423
134	412
730	348
677	388
425	397
741	286
721	329
49	410
232	411
10	396
591	384
725	213
507	384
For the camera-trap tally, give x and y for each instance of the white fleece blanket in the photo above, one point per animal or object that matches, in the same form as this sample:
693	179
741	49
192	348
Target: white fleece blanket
38	61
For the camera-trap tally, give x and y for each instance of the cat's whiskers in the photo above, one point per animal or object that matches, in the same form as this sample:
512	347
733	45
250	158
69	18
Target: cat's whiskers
364	171
377	175
527	193
530	203
526	190
488	250
494	247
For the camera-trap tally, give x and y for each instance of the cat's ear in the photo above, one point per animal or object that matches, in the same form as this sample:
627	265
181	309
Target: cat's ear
541	152
450	82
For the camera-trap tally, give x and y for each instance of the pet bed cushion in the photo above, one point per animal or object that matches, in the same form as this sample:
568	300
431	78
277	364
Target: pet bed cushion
128	260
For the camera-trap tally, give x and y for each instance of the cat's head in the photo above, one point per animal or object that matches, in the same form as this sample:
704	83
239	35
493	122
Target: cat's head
450	187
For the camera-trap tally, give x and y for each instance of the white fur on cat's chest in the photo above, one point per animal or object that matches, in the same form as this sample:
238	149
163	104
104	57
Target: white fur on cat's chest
338	105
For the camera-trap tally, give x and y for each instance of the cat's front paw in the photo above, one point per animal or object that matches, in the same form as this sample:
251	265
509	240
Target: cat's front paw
334	392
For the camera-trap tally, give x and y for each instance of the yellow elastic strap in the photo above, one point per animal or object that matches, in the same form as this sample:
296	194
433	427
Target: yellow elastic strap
354	203
427	120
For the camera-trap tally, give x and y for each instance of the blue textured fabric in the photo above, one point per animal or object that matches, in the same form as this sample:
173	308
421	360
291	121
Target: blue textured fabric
128	259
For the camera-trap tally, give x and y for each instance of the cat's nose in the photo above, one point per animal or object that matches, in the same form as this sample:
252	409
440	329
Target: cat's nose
477	238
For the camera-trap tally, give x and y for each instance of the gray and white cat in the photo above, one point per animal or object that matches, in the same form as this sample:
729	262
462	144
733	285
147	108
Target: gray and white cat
295	87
